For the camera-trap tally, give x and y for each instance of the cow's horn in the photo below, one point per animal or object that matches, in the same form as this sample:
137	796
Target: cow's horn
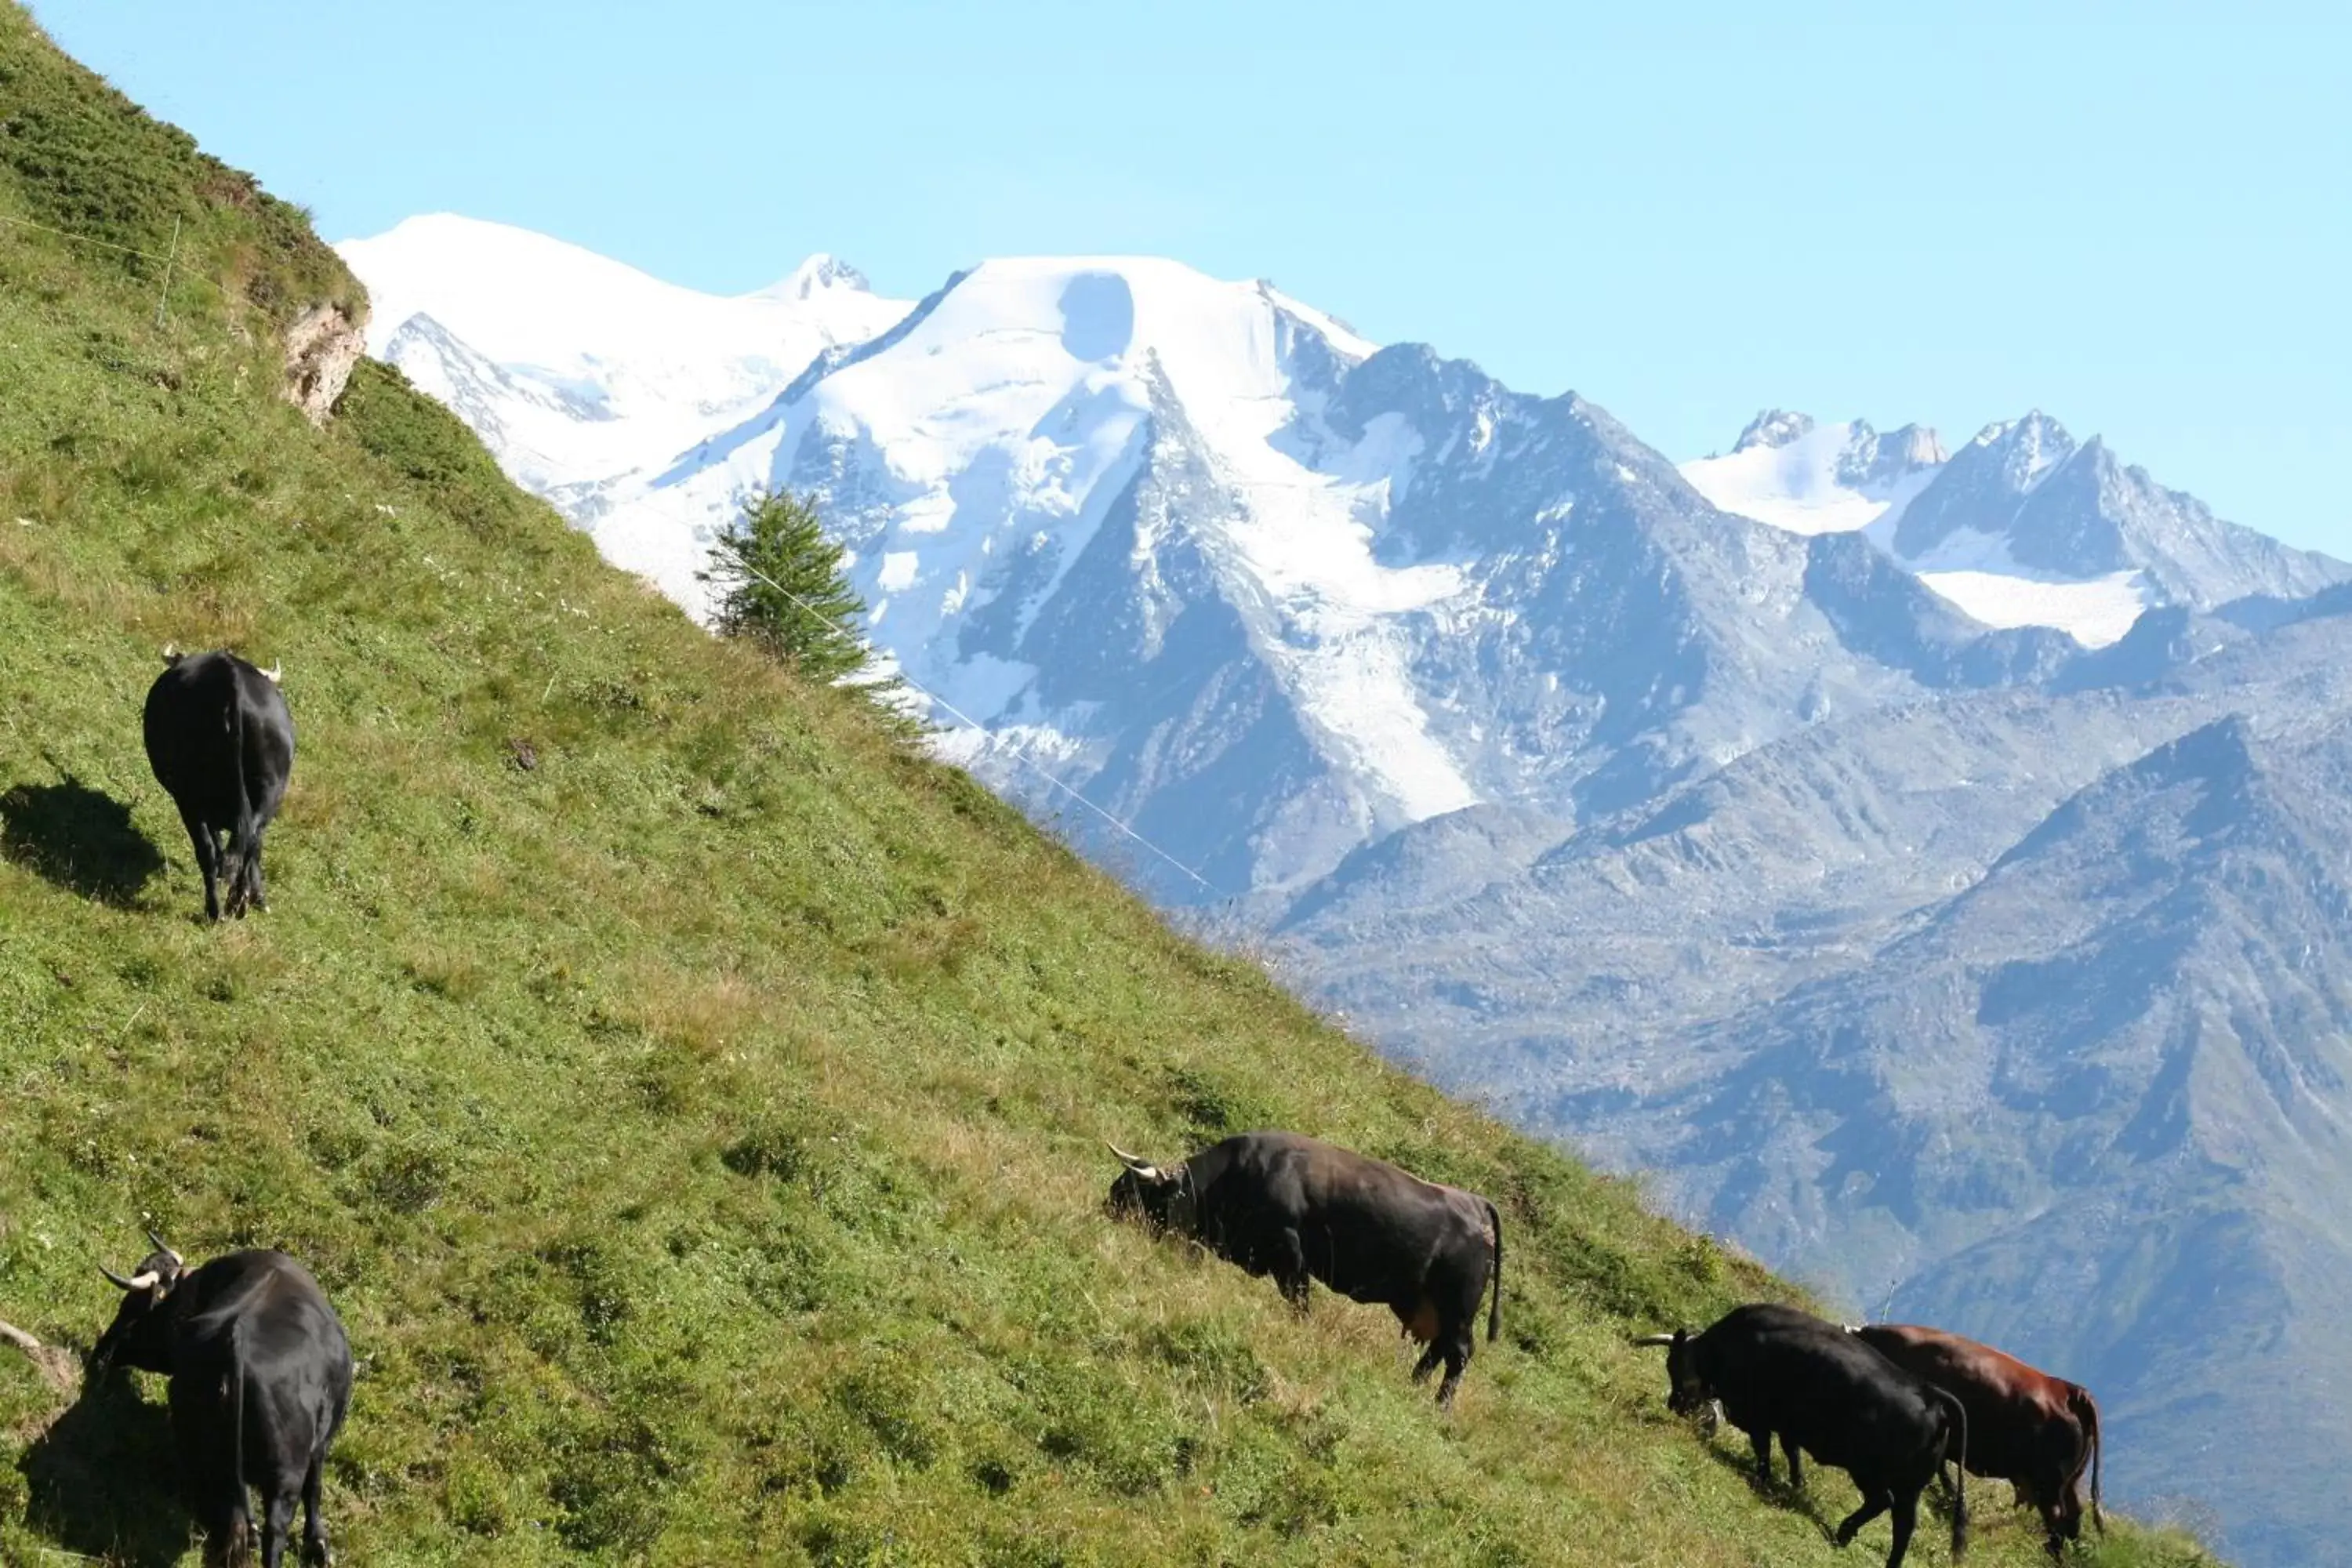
1140	1168
167	1249
274	672
136	1282
171	653
1647	1339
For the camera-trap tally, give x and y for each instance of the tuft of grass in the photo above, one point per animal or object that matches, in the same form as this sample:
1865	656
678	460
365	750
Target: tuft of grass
691	1095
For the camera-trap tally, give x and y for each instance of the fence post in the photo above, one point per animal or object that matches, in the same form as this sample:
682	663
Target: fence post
164	294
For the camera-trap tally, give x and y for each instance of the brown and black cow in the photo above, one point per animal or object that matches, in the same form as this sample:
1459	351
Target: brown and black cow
1301	1209
2026	1428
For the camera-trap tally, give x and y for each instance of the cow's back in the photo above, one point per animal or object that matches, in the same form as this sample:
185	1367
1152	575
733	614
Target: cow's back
2019	1421
219	737
1370	1229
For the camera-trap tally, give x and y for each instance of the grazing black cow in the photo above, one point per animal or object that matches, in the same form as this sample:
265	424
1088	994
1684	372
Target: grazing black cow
1779	1371
1300	1209
222	744
2037	1432
261	1376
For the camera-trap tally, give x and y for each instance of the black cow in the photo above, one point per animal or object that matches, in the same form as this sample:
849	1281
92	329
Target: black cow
222	744
1779	1371
1300	1209
260	1379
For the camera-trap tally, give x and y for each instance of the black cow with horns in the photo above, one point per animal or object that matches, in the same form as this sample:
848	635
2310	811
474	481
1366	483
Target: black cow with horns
1300	1210
260	1379
222	746
1777	1371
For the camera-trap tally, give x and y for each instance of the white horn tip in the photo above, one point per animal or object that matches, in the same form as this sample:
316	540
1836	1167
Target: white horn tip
276	670
171	653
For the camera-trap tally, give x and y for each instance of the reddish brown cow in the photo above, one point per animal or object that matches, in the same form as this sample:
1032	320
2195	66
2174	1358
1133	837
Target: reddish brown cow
2028	1428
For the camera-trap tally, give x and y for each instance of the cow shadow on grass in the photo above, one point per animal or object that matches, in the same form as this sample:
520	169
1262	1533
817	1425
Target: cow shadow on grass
102	1480
1736	1457
81	838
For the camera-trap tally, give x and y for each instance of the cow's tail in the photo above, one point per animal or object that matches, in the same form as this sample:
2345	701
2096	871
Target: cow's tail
237	1537
2086	1411
1956	1449
240	842
1495	1307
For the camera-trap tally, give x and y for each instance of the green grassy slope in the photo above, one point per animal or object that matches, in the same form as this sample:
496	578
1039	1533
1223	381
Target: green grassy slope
697	1129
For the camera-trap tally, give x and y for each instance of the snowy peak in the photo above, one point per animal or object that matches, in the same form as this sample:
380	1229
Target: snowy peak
1789	472
2026	448
576	369
1870	459
1980	488
818	273
1774	427
2024	500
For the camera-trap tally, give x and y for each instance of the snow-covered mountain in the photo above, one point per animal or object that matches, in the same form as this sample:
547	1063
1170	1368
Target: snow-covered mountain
1254	584
577	370
2020	526
1792	473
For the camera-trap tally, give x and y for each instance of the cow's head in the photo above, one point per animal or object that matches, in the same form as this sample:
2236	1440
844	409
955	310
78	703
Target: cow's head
140	1335
1687	1393
2062	1515
1161	1199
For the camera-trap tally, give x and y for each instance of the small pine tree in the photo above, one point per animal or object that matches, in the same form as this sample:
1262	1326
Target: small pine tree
781	585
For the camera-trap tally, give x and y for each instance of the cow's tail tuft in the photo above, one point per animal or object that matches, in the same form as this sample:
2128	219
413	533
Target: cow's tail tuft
1955	1449
240	842
1495	1307
2086	1411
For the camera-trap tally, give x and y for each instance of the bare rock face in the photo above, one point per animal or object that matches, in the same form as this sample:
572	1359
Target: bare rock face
322	346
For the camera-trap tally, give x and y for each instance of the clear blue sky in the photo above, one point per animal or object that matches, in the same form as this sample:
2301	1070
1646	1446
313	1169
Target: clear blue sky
2136	218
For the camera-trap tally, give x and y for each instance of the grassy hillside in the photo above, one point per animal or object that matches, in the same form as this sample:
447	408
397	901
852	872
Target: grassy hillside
691	1098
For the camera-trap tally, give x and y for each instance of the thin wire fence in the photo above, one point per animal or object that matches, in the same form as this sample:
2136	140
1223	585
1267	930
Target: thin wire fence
172	271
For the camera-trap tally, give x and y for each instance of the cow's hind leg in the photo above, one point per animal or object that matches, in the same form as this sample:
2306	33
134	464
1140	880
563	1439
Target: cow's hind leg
1762	1441
1796	1463
229	1541
1906	1519
1458	1342
277	1522
254	893
246	893
314	1528
1290	1274
209	861
1874	1503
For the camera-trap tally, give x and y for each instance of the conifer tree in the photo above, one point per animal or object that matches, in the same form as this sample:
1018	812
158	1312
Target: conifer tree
779	584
